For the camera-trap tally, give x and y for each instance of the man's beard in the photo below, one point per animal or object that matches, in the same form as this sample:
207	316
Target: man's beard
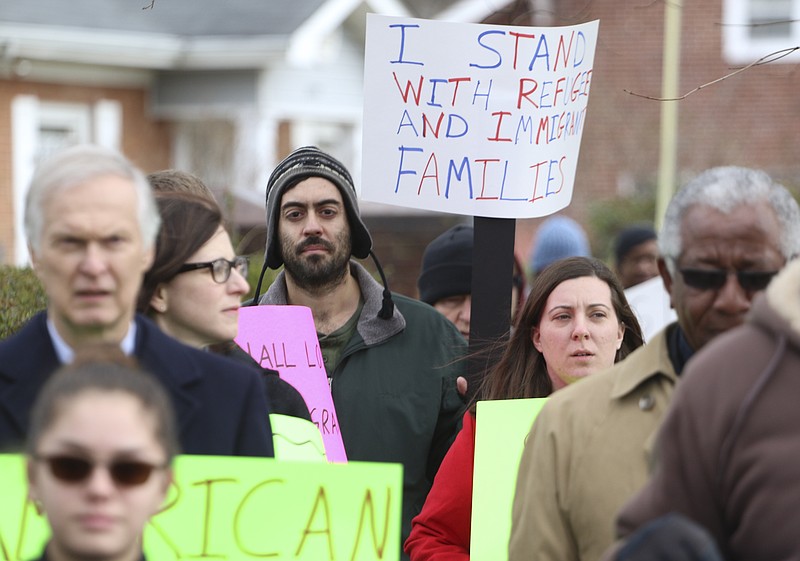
317	271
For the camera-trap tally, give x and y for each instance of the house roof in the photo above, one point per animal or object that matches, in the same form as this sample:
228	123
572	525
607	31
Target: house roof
454	10
181	18
194	34
172	34
210	18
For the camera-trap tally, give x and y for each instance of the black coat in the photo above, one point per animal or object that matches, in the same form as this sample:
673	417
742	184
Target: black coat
219	405
282	397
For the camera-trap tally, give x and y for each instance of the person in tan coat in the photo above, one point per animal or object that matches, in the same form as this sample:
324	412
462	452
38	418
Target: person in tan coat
724	236
742	485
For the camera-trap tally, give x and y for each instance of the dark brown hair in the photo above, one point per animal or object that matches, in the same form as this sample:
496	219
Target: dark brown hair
522	371
103	368
187	222
177	181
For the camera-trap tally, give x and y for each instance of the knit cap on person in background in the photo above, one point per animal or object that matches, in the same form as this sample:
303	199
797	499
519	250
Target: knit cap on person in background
558	237
447	265
629	238
305	162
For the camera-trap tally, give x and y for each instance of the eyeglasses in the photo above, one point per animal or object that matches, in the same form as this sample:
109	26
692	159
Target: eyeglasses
220	268
73	469
714	279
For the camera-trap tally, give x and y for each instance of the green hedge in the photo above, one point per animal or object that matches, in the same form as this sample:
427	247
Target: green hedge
608	217
256	262
21	296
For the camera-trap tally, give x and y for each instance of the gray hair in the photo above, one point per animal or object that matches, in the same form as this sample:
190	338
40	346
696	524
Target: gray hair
79	164
724	189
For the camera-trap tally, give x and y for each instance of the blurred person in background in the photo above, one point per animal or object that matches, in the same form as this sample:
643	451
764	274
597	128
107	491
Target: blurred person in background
636	255
557	237
445	281
179	181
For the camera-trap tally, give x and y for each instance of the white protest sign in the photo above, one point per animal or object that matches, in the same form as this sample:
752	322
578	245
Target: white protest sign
481	120
650	302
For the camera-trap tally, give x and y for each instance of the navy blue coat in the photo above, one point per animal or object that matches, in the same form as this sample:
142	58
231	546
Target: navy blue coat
219	405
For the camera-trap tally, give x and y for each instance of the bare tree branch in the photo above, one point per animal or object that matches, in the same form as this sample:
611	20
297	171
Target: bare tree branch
766	59
759	24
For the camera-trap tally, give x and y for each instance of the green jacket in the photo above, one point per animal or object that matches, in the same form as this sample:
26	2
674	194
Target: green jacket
395	387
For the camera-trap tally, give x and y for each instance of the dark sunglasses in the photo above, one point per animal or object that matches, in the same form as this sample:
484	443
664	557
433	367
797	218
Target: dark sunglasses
714	279
73	469
220	268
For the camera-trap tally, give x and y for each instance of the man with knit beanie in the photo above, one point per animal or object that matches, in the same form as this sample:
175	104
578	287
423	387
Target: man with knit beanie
445	281
446	278
392	362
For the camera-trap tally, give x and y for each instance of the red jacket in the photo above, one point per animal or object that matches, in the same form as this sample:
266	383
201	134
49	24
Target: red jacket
441	530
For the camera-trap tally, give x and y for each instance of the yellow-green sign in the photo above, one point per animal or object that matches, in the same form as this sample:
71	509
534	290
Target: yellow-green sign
233	508
500	432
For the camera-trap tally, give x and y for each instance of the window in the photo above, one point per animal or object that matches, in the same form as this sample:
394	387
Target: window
41	128
755	28
770	19
61	125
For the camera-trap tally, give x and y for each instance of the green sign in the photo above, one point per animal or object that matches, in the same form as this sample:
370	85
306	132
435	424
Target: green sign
500	432
235	508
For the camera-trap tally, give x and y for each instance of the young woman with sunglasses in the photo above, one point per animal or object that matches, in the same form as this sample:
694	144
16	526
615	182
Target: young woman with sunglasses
99	455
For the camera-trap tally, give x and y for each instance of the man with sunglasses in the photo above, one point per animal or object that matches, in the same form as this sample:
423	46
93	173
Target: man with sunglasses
735	415
724	236
91	223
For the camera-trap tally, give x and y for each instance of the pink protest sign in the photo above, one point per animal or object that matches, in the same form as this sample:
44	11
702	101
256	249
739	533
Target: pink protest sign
284	338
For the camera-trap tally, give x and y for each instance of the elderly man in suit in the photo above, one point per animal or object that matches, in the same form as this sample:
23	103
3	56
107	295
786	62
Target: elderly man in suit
91	224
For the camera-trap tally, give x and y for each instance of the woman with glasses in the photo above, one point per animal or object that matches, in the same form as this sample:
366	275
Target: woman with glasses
194	288
99	455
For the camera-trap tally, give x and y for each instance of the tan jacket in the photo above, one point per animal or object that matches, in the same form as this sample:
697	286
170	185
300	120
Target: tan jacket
735	417
587	453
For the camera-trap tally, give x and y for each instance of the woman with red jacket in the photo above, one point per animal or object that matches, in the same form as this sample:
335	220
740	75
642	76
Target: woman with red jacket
576	321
